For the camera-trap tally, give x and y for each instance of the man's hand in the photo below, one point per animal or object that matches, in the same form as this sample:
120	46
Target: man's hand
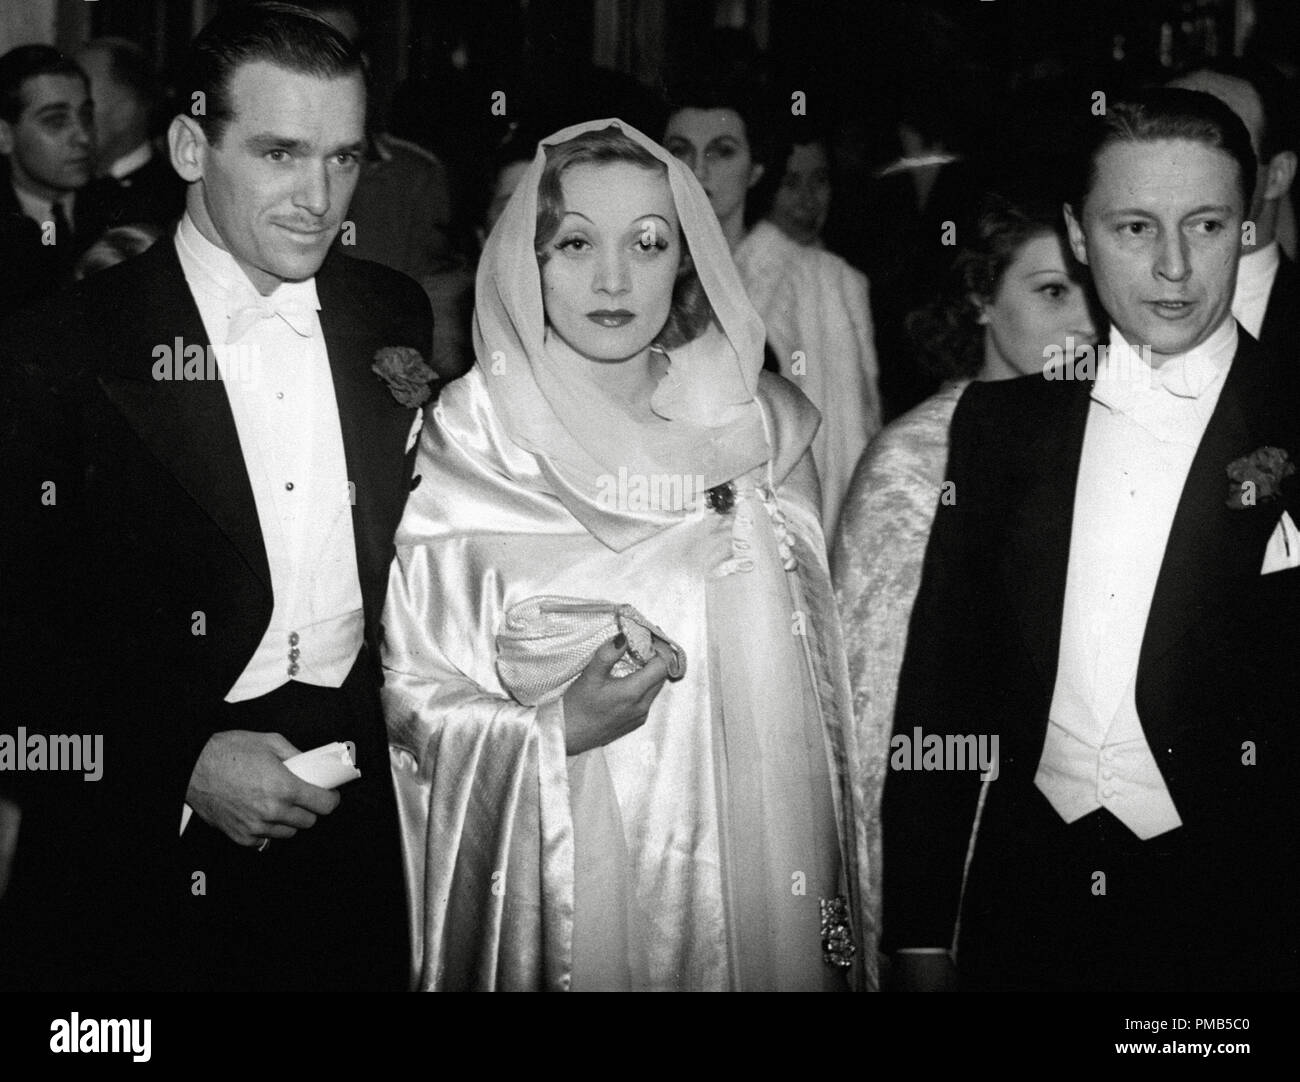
240	788
599	708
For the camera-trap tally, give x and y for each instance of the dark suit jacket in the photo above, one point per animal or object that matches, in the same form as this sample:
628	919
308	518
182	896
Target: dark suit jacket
1280	332
1216	665
153	523
154	194
31	270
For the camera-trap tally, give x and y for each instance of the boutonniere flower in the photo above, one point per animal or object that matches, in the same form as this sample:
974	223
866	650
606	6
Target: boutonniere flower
406	374
1257	477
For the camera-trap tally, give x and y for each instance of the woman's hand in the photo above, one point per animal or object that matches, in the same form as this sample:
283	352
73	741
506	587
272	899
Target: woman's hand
599	708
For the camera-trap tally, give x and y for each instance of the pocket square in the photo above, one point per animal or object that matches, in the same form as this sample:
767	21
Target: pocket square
414	434
1283	549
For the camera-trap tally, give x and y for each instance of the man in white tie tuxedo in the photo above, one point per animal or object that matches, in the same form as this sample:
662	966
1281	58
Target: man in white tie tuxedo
198	564
1114	595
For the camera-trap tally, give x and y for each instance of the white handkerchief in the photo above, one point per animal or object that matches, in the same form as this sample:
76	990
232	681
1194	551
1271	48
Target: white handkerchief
1283	550
328	767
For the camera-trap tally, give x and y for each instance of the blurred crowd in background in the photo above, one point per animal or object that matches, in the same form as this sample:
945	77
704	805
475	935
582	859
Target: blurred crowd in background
871	127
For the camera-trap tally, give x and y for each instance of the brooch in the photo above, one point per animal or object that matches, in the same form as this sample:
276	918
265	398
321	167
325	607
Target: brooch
1257	477
721	498
406	374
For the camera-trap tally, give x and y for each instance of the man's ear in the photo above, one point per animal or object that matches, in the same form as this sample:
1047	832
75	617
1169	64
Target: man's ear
756	172
187	146
1280	174
6	138
981	308
1078	242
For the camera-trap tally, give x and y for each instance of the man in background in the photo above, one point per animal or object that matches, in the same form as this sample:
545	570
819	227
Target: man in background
50	209
1267	299
126	96
401	213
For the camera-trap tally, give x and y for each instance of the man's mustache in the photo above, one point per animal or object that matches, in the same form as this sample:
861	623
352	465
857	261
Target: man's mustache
318	226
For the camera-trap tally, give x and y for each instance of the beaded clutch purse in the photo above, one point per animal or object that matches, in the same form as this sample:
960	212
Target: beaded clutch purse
547	641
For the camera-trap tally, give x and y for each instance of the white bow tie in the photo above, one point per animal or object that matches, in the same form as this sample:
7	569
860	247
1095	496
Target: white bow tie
1156	398
1128	381
293	302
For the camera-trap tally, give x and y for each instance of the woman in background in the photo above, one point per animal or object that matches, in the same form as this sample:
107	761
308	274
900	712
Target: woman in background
614	679
1012	293
814	306
802	200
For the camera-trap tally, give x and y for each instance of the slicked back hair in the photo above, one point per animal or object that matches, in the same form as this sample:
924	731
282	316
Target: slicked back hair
285	35
27	62
1165	113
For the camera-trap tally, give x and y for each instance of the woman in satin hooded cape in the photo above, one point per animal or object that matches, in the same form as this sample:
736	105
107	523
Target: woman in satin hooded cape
694	852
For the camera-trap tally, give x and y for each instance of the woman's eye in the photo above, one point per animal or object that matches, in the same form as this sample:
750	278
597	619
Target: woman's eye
1054	290
650	242
725	151
573	244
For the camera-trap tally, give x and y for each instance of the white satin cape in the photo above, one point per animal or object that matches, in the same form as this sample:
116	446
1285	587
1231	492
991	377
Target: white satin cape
689	854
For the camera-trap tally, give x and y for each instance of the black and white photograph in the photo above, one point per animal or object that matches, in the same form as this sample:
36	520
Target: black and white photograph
649	496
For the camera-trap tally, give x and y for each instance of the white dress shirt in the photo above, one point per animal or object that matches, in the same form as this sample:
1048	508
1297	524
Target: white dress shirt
128	163
276	373
1256	272
41	210
1142	432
